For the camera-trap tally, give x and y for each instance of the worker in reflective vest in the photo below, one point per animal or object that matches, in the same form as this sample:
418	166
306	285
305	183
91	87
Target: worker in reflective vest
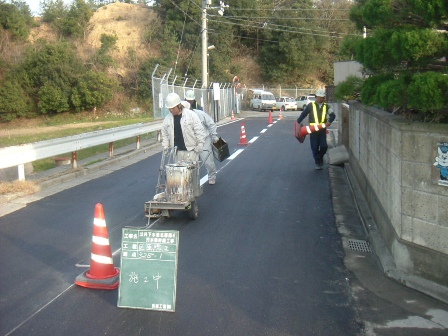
319	113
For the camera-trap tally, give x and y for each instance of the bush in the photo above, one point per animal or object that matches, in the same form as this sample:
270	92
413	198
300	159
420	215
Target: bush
52	98
93	89
392	94
369	89
350	89
428	91
13	101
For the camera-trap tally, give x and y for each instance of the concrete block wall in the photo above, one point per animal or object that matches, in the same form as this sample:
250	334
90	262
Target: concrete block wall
393	161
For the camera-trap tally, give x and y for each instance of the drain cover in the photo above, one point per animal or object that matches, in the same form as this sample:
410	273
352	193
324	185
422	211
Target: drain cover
359	245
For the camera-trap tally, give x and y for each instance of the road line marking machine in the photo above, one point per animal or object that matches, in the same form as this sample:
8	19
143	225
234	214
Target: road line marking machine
177	187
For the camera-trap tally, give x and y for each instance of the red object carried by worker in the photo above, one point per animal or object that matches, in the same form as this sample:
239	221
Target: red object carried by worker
297	128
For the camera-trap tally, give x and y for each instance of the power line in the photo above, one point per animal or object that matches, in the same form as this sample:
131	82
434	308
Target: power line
289	9
283	18
265	24
280	30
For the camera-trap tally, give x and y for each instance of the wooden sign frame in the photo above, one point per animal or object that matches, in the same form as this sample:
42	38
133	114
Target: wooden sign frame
148	274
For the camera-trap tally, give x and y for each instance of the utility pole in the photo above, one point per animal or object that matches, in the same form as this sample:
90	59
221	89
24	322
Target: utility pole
204	39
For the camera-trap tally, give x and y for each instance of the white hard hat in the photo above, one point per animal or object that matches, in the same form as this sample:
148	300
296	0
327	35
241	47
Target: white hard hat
172	100
320	93
185	104
189	95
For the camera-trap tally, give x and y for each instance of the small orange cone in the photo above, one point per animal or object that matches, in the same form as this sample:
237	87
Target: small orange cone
270	117
280	117
304	130
243	139
102	273
233	117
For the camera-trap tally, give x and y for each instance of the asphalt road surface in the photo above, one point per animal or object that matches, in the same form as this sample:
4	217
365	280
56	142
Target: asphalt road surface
264	257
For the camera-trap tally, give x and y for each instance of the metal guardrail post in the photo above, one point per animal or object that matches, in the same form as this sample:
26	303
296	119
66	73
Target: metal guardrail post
21	172
111	149
75	160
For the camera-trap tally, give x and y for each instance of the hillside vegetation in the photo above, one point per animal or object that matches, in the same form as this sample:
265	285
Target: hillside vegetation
96	57
89	57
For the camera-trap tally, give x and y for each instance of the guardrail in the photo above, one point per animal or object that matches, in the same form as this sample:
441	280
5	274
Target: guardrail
19	155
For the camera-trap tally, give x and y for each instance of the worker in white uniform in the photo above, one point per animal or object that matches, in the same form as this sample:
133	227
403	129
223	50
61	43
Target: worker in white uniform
211	137
183	130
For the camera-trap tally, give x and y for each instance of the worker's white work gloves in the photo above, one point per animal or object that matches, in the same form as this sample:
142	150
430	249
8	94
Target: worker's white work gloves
198	149
166	151
215	139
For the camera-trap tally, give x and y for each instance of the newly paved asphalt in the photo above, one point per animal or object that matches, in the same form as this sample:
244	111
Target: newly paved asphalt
376	304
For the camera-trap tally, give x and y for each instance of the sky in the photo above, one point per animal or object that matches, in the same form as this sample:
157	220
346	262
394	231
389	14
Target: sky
35	5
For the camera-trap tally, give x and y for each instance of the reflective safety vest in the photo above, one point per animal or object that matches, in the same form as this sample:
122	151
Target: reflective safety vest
324	114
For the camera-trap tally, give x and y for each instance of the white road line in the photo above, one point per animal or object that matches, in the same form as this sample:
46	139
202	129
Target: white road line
234	155
204	179
253	139
229	122
41	308
82	265
263	130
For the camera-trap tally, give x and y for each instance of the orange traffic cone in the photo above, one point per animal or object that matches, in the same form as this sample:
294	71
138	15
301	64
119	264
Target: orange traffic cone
270	117
233	117
243	139
280	117
297	128
304	130
102	273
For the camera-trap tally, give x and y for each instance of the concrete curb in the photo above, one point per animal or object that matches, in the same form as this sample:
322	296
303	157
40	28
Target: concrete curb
382	252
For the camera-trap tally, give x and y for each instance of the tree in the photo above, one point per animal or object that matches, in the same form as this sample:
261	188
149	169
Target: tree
16	18
77	19
48	73
102	57
405	55
303	41
53	11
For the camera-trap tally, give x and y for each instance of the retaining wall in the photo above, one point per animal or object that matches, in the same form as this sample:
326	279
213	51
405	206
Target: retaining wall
393	160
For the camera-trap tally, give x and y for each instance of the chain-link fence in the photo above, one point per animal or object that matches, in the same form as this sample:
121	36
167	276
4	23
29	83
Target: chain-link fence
218	100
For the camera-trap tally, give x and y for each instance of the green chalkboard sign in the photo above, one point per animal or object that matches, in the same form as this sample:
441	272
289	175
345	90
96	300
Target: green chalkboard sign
148	272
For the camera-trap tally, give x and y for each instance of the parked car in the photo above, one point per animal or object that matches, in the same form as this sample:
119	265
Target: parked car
286	103
303	101
262	100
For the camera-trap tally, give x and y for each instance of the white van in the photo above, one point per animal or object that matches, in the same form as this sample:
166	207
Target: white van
262	101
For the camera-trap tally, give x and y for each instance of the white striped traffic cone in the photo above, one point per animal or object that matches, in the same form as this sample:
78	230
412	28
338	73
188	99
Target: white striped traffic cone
280	116
232	117
102	273
243	139
304	130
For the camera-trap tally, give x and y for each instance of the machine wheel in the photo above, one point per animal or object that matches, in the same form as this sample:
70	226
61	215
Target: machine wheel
194	210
